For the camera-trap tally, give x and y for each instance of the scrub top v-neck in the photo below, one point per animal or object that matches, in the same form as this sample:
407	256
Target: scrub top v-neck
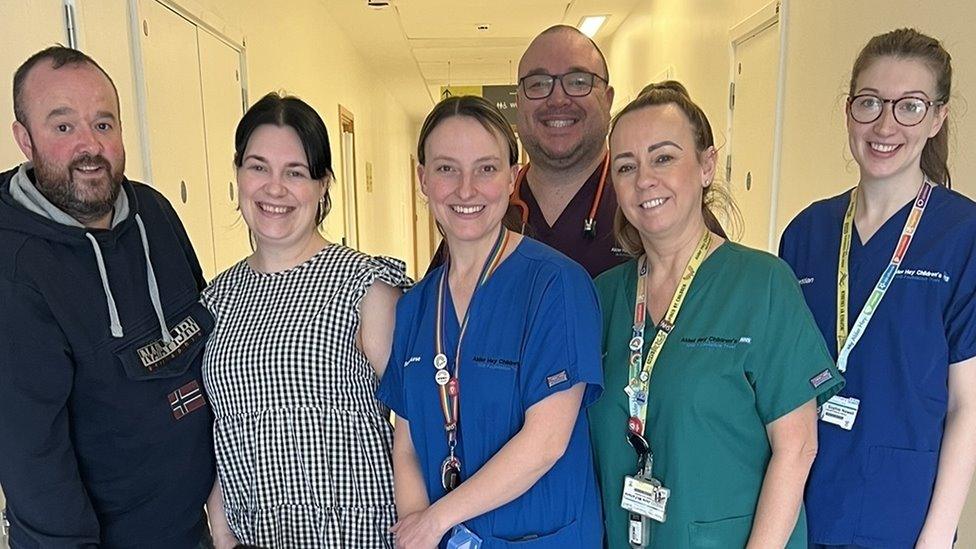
744	352
871	486
533	330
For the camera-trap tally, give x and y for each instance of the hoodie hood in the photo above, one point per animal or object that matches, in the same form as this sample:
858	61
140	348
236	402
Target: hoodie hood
24	192
24	209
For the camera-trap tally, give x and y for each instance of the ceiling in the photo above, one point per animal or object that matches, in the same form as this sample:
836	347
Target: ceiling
419	45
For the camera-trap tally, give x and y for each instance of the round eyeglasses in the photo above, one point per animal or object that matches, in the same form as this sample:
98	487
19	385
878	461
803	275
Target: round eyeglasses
575	84
908	111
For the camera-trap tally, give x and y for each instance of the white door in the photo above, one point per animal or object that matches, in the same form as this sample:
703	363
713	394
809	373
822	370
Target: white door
753	102
223	106
174	122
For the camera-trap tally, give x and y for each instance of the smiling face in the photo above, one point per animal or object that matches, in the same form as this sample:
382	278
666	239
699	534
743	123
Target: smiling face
74	139
467	179
658	174
885	149
278	198
563	132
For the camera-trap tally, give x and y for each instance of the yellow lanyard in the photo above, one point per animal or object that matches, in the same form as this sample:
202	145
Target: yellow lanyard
640	377
846	341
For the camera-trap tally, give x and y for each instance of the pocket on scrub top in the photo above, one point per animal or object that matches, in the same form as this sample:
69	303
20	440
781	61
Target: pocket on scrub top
145	356
896	496
720	534
567	536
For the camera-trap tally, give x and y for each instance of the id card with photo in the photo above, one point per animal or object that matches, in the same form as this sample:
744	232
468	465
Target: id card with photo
645	497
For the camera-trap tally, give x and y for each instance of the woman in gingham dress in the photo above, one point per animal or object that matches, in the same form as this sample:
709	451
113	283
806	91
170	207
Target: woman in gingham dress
303	334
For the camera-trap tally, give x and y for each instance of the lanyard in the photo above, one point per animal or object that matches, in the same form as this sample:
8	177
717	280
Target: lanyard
589	224
448	383
845	341
640	378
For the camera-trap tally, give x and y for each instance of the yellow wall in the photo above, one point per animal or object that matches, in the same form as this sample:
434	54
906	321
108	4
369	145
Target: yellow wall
823	37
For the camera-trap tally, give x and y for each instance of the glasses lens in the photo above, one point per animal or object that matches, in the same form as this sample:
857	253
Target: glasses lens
537	86
909	111
577	84
866	108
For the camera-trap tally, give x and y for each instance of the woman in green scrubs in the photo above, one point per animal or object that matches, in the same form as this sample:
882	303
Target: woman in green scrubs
713	365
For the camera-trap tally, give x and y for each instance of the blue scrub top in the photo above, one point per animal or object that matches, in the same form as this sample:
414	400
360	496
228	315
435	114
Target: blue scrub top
534	330
871	486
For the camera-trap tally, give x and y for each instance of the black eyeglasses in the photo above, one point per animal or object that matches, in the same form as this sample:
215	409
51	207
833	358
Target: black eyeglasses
575	84
908	111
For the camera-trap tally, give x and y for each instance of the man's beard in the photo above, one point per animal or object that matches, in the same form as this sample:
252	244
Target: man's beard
87	200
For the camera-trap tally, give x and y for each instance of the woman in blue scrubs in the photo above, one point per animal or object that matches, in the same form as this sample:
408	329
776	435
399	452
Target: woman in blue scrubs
889	270
495	355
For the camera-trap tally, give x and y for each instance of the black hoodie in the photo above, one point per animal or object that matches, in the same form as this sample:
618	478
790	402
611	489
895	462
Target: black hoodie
105	435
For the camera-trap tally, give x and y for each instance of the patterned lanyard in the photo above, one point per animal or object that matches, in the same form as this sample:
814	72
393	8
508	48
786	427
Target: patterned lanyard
640	378
845	341
448	384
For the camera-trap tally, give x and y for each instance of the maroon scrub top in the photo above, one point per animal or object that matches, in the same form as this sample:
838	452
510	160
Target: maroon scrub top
596	254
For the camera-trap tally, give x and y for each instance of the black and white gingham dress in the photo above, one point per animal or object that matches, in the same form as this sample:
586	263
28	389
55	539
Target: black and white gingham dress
303	448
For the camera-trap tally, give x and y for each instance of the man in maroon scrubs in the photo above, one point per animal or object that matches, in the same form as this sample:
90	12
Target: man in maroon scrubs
564	197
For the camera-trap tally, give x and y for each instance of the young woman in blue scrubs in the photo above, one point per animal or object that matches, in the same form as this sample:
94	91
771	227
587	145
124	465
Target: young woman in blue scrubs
495	355
889	270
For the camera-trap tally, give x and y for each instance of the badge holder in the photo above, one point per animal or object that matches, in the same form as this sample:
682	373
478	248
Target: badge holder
462	538
644	497
840	411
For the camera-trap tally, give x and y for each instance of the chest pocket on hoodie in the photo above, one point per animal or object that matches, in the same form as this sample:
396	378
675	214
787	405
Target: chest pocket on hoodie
147	356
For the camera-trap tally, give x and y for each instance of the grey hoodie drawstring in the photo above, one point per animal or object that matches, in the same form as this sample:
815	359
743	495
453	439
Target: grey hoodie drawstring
26	194
153	287
113	312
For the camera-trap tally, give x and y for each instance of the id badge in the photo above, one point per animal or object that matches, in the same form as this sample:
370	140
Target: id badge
462	538
645	497
840	411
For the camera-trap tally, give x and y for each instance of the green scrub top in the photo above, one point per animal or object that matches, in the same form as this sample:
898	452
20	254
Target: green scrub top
744	351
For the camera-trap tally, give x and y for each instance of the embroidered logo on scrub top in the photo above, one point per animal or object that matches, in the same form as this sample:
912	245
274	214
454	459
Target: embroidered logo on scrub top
495	363
923	274
821	378
715	342
557	378
806	280
410	361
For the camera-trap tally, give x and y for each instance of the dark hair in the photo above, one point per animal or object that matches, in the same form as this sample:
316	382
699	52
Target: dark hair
573	30
288	110
911	44
59	57
671	92
474	107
